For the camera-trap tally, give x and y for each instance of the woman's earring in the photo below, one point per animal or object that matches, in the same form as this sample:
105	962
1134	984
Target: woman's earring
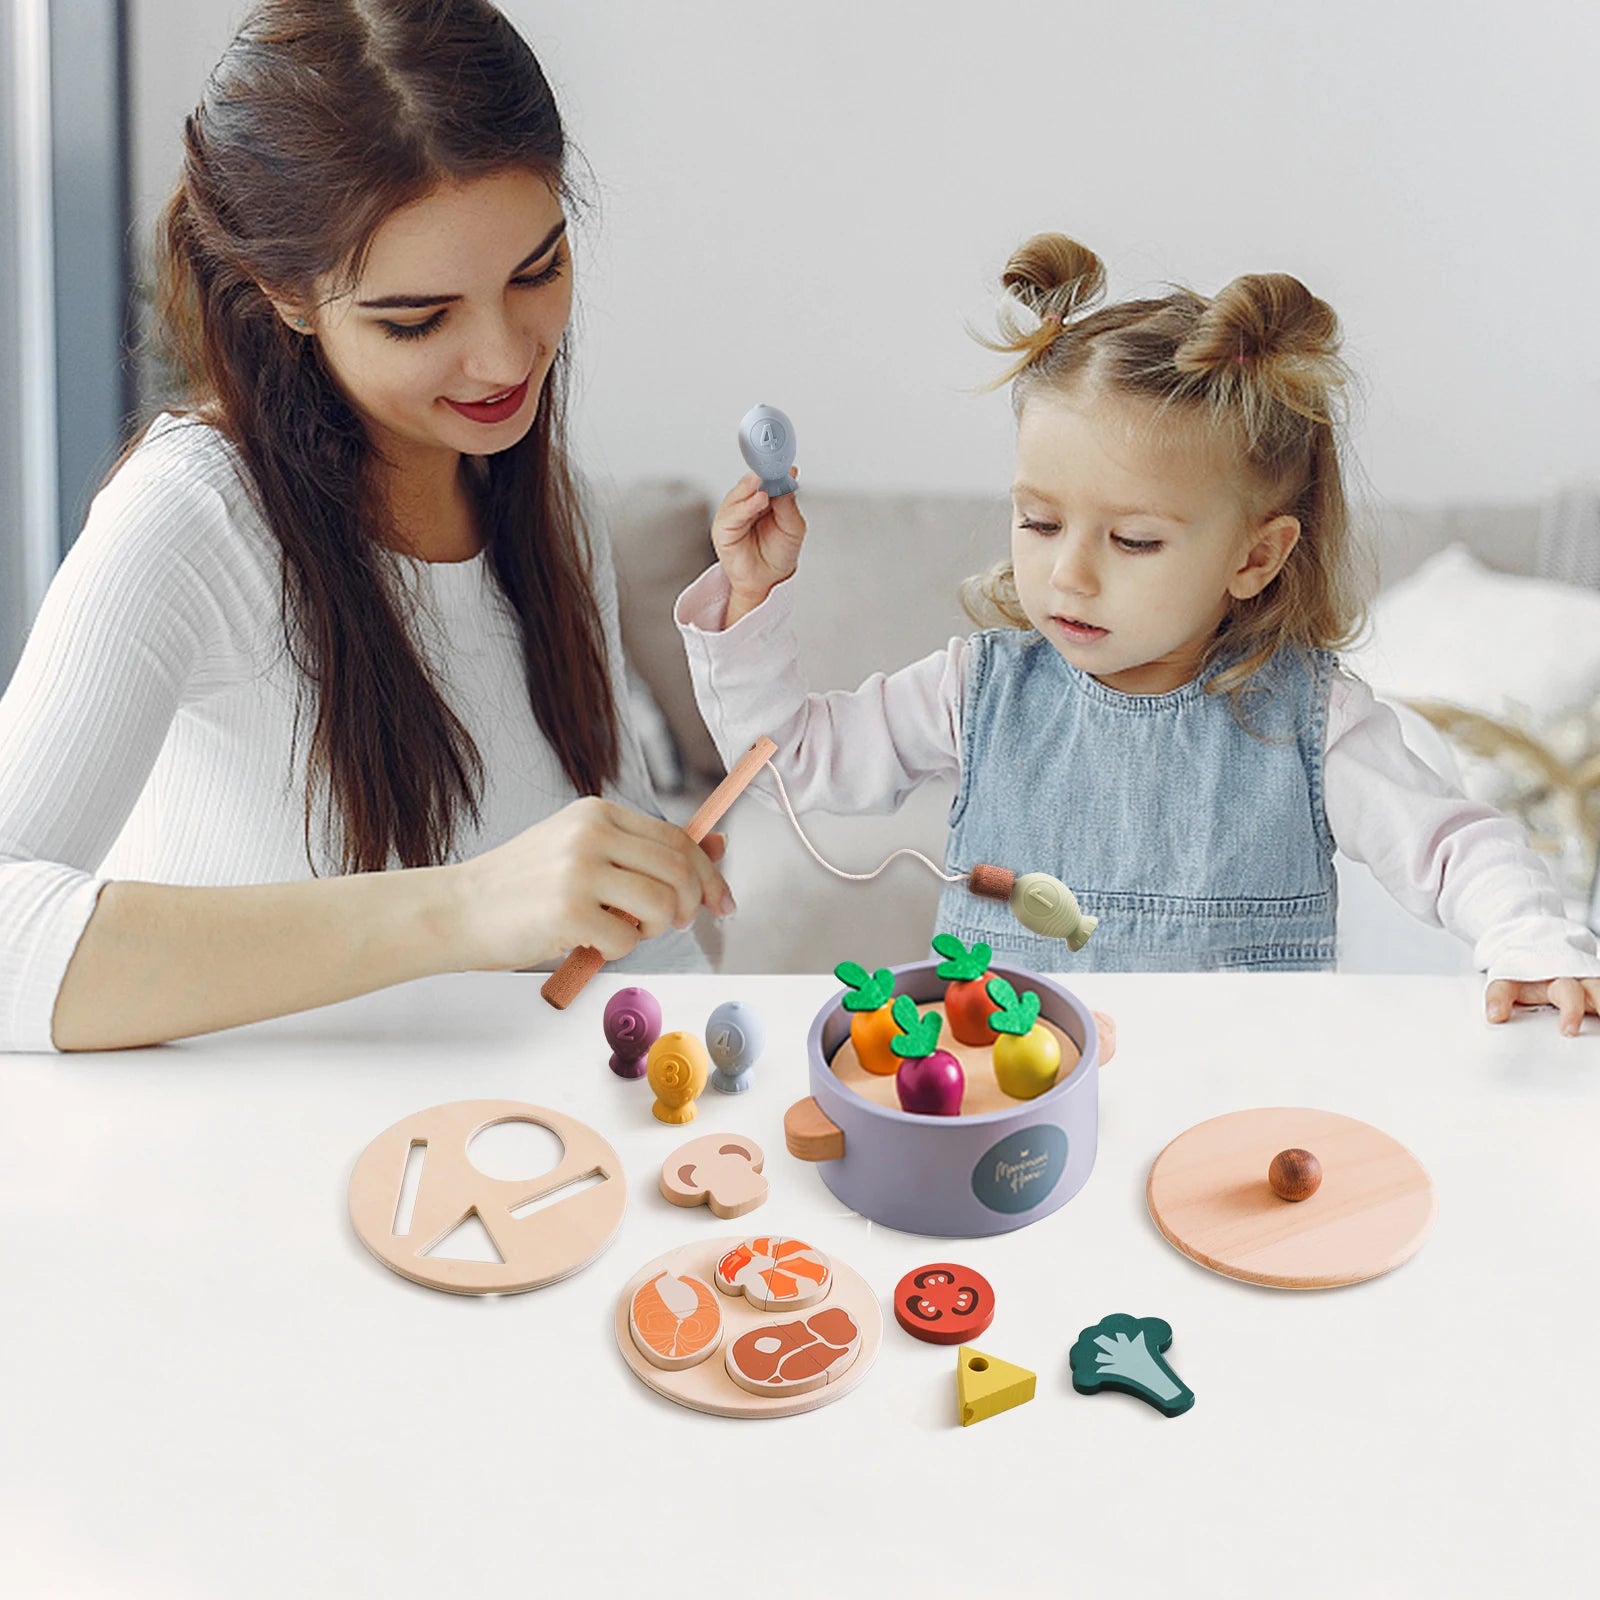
300	322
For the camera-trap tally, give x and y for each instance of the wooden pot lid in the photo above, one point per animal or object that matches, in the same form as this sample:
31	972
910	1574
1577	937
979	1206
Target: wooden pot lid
541	1234
1208	1193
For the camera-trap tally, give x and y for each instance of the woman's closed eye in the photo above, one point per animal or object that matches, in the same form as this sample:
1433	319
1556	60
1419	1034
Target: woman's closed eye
418	330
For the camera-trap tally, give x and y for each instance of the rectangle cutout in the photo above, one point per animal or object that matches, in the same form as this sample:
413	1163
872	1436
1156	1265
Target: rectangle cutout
410	1182
555	1196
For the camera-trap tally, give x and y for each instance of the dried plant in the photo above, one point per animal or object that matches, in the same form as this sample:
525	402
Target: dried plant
1554	793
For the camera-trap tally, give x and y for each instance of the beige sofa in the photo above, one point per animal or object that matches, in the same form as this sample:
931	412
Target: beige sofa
878	588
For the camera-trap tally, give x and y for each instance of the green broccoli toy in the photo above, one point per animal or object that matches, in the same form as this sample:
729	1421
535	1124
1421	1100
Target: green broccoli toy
1123	1352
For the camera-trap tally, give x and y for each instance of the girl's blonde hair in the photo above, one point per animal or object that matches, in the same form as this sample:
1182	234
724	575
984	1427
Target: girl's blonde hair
1258	368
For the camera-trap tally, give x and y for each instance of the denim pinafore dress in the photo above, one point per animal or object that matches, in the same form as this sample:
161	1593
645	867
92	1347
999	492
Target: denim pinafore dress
1200	845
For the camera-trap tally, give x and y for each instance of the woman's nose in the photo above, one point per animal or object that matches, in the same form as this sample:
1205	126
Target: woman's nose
499	352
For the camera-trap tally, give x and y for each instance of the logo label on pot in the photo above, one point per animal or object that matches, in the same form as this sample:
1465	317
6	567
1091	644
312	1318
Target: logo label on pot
1021	1170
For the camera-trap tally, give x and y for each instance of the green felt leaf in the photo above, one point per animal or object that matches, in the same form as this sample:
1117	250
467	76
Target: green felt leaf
1017	1014
871	989
1001	992
961	964
919	1035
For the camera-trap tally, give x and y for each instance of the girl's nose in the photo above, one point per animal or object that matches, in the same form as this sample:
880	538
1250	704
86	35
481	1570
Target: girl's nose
1074	571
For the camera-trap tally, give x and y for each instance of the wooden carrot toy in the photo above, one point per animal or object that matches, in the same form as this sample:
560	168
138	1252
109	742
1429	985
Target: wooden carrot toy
966	1002
872	1023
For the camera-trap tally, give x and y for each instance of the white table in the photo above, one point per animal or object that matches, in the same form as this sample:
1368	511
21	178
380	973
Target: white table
213	1390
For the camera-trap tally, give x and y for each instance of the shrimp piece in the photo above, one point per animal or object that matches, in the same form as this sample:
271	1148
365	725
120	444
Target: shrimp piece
775	1272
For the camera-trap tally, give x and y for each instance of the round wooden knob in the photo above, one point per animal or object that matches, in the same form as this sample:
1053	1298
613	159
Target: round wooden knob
1294	1174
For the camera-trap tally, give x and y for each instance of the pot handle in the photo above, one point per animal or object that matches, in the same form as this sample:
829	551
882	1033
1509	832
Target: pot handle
810	1134
1106	1027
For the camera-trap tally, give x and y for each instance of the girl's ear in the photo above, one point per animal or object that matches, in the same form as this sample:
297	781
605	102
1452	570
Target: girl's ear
1263	561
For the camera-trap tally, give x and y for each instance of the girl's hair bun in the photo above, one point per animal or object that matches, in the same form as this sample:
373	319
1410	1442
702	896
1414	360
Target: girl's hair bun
1054	276
1269	327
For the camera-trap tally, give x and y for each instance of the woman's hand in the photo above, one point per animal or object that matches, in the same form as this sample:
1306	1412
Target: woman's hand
546	891
757	540
1570	996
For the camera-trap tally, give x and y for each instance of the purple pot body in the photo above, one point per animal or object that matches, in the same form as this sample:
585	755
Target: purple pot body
961	1177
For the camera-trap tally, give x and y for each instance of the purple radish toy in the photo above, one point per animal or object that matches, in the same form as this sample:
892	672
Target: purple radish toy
632	1024
930	1081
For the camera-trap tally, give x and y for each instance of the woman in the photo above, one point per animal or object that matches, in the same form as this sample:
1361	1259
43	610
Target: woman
339	615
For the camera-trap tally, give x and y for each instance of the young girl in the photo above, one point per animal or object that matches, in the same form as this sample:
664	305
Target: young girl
1158	720
339	614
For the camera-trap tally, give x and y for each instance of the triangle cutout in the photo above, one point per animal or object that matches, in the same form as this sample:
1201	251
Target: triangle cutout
469	1240
986	1385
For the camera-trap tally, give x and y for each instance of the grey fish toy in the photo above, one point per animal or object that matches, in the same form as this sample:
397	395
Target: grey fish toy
766	441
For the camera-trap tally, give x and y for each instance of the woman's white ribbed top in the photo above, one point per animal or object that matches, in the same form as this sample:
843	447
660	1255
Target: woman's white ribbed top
149	731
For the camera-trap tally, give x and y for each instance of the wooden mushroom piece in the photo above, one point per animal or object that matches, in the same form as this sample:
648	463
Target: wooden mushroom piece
1294	1174
720	1170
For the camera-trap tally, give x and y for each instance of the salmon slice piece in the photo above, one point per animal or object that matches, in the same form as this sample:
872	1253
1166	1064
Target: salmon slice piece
675	1321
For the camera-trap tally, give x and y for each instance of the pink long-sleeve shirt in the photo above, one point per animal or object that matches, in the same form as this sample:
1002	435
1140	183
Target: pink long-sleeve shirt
1450	861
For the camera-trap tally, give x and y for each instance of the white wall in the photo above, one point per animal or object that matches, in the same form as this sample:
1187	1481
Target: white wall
800	203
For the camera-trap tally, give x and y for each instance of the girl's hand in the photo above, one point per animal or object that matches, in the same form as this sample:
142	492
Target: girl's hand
1570	996
757	540
546	891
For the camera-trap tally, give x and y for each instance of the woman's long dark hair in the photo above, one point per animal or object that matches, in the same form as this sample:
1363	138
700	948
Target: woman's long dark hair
322	118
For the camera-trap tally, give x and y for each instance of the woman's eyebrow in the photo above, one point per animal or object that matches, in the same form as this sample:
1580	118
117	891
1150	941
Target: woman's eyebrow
416	302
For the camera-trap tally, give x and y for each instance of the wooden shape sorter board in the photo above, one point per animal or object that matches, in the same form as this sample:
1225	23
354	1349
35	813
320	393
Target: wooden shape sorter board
707	1386
541	1234
1208	1193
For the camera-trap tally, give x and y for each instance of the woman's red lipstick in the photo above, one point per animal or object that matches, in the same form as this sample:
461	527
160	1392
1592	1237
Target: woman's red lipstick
494	411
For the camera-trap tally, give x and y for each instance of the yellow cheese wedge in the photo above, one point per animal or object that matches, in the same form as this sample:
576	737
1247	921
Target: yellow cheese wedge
986	1385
